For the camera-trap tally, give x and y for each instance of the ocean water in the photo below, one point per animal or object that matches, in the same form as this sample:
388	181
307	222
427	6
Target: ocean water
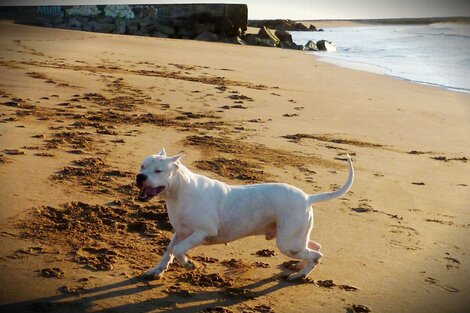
436	54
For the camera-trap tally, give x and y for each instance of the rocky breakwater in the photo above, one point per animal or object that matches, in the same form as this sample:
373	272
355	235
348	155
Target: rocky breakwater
275	33
281	24
208	22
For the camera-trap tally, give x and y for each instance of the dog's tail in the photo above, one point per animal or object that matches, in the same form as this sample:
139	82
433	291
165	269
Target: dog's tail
338	193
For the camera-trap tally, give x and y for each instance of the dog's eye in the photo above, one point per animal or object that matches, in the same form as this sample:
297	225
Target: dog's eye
157	171
141	167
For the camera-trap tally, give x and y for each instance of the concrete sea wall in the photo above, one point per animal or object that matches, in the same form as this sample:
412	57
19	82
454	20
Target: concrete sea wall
186	21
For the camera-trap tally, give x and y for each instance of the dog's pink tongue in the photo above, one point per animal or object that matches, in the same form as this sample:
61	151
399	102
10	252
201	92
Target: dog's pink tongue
145	192
149	192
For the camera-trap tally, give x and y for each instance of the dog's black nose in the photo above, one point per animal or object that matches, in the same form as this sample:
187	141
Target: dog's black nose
139	180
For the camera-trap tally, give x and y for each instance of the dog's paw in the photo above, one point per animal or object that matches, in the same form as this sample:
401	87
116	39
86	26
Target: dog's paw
154	273
293	265
298	279
295	277
148	276
190	265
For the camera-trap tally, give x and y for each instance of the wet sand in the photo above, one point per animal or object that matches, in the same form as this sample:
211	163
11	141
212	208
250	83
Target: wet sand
79	111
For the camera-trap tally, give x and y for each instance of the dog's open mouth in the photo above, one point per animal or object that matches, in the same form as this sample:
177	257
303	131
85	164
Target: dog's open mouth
147	193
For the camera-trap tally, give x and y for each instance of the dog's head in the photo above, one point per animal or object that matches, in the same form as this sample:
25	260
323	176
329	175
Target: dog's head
156	174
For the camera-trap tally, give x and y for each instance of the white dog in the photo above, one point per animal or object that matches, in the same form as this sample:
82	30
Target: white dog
205	211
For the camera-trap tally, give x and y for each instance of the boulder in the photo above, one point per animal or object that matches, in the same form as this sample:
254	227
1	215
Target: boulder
274	24
121	26
301	27
325	45
236	40
207	37
252	40
311	46
312	28
283	36
284	25
291	45
266	42
265	33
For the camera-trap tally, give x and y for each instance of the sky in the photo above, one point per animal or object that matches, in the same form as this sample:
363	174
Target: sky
309	9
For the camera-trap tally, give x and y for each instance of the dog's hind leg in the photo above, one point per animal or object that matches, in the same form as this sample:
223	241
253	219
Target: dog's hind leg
314	245
312	257
301	264
309	259
294	242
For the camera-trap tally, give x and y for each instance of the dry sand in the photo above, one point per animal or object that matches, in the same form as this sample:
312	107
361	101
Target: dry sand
79	111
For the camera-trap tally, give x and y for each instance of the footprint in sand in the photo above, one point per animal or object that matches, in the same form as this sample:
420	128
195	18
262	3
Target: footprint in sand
432	220
434	281
290	115
4	160
357	308
446	159
409	231
404	237
452	263
54	272
365	207
13	152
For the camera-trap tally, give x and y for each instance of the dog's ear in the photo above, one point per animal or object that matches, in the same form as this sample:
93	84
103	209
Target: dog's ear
176	158
162	152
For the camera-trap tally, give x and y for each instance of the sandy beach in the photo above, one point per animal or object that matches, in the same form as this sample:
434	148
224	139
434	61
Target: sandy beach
79	112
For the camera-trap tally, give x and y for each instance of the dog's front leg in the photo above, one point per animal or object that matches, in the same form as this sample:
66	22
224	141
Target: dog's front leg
180	249
166	260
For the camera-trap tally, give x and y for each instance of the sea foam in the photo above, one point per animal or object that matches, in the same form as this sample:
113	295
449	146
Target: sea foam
436	54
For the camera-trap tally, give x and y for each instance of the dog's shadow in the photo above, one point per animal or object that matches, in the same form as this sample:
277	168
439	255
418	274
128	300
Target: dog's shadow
189	302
